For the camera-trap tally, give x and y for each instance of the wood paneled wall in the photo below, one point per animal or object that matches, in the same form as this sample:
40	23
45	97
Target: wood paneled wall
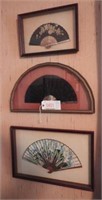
86	61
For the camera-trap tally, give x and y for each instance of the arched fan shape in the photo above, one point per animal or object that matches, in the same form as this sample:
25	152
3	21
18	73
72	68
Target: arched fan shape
52	155
48	34
50	85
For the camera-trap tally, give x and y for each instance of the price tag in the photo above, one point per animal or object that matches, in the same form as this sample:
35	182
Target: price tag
51	105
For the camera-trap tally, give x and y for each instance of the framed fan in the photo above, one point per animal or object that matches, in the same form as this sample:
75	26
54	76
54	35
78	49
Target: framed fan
53	30
52	81
54	156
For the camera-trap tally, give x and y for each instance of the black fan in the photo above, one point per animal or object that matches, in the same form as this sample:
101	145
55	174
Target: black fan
48	34
47	85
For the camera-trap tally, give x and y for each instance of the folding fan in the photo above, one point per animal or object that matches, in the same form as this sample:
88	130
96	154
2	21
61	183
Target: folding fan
49	34
52	155
47	85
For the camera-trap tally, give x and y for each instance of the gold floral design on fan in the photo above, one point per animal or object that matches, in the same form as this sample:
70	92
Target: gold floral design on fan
49	34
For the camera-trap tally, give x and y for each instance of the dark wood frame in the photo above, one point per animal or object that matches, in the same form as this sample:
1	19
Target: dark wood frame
14	130
41	13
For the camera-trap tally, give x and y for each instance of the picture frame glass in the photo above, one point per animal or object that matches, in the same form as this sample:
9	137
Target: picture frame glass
69	155
28	29
46	31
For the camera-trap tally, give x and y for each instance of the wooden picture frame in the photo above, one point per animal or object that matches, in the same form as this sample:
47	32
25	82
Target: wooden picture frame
49	31
53	156
31	89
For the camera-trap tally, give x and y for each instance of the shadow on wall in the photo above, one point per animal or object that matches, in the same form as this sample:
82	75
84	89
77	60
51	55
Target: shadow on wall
97	172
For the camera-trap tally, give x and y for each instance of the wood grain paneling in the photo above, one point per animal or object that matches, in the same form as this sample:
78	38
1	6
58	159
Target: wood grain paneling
12	66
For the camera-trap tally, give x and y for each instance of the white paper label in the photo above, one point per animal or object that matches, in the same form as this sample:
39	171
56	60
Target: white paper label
51	105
